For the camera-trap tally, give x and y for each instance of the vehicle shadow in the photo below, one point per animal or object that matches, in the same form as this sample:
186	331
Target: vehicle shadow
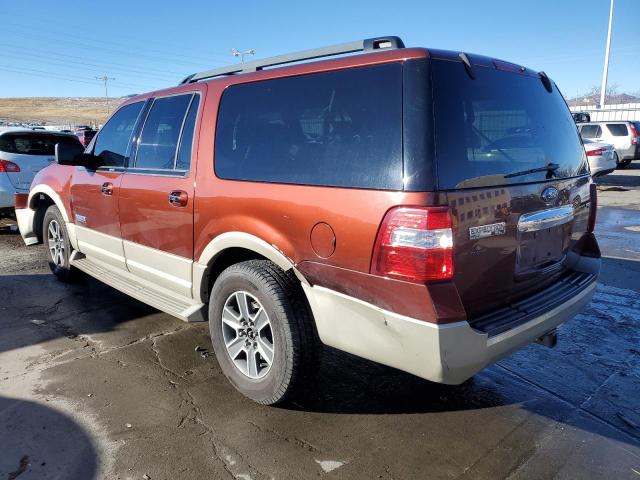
590	380
624	177
37	308
31	443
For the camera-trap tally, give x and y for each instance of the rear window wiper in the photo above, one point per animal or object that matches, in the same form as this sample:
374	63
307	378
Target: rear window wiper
550	169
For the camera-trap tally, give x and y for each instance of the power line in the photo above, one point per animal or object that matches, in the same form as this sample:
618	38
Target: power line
122	51
126	45
49	52
43	59
71	78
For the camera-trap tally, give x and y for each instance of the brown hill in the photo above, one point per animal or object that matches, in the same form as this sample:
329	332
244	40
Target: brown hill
56	110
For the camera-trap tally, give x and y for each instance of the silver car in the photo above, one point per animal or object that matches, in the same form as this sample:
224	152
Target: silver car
602	157
22	154
622	134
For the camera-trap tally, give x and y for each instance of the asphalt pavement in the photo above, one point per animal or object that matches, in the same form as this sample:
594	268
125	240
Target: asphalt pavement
94	384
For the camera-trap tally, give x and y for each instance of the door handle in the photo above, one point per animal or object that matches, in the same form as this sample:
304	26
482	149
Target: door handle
107	188
178	198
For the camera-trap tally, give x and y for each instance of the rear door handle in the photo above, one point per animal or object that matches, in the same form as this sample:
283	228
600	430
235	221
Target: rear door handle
178	198
107	188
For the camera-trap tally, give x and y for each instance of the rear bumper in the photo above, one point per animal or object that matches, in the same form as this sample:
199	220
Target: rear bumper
7	192
601	166
448	353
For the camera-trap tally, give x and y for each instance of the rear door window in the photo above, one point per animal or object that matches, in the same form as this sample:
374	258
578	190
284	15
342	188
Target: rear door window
161	132
341	128
591	131
496	128
33	143
618	129
113	139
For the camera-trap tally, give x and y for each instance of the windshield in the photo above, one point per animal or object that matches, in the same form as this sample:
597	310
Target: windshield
34	143
500	128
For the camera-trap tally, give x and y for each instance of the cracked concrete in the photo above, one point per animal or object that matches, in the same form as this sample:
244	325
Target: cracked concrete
110	388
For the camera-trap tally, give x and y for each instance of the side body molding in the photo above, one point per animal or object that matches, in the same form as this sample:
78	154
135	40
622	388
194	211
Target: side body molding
237	240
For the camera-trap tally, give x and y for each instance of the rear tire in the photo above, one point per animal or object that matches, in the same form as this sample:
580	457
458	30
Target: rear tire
262	330
56	240
622	163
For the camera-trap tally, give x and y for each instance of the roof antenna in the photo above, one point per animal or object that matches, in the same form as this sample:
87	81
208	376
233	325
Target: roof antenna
546	81
467	65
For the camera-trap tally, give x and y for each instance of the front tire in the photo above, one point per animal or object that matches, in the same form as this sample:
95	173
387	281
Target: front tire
56	240
261	329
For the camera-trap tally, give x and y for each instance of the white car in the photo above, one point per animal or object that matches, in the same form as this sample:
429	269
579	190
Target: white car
23	153
602	157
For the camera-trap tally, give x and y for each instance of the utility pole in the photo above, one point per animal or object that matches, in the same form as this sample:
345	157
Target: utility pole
106	79
605	71
236	53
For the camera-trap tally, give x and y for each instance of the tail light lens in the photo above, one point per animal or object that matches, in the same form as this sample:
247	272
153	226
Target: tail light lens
9	167
596	152
634	134
415	244
593	207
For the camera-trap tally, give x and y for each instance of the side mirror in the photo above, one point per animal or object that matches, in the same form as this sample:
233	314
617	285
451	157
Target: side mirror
72	154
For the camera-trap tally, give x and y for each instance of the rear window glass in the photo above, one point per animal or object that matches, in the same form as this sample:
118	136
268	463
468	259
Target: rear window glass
591	131
340	128
33	143
497	128
618	129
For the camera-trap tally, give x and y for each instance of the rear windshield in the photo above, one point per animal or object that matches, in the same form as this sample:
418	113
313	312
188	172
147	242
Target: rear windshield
33	143
618	129
496	128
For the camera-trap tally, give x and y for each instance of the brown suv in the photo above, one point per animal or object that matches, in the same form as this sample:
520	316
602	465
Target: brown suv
425	209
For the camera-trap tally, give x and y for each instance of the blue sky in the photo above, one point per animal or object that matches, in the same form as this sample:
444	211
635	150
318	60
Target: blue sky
58	48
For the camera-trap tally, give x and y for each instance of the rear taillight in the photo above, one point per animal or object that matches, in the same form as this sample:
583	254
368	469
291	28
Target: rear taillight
415	244
9	167
634	134
593	207
596	152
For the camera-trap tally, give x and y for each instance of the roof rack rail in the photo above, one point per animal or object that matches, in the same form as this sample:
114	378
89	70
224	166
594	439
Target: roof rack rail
368	44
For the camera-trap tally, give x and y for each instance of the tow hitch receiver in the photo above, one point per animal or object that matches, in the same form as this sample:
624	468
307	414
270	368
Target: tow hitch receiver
549	339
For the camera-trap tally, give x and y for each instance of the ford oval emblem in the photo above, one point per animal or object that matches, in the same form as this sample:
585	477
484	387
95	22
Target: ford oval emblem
549	194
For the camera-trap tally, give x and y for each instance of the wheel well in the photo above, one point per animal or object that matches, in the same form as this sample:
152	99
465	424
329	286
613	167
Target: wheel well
223	260
40	202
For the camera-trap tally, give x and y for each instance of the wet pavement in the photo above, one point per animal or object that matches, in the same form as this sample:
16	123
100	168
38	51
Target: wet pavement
94	384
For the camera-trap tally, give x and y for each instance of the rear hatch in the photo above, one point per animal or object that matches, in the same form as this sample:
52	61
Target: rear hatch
514	172
31	152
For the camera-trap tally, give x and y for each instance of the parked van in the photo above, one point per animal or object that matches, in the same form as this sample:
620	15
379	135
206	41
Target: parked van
425	209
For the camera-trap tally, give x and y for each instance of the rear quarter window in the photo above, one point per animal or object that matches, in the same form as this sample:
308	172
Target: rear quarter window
591	131
618	129
341	128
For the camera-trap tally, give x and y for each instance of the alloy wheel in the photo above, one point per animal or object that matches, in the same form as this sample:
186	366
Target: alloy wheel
248	335
56	242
